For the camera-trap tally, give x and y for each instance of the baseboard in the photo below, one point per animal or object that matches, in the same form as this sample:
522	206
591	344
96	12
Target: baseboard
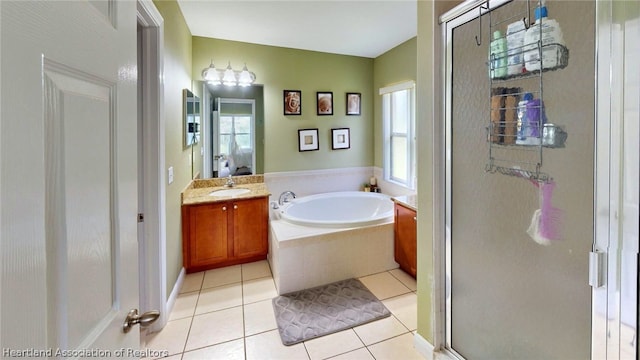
175	292
423	346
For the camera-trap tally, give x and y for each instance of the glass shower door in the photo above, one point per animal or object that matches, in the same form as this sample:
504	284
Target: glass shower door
510	297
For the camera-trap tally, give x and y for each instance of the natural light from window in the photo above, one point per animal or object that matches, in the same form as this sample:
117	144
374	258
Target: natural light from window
398	132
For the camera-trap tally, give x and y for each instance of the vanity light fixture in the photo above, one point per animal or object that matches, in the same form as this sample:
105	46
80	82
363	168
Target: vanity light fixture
228	76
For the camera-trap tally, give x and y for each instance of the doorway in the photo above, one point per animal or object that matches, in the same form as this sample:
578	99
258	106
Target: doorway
234	137
151	158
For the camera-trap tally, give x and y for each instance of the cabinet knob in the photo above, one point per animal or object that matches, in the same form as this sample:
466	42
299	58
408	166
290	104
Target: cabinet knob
415	218
224	208
235	206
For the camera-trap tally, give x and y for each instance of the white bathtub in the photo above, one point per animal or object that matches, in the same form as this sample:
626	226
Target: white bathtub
339	209
319	239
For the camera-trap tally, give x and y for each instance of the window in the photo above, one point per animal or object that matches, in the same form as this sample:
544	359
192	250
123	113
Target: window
398	117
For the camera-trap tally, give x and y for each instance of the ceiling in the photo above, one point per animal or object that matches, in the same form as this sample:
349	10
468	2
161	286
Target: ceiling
366	28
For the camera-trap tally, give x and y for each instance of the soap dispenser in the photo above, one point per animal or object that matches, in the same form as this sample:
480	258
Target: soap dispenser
548	32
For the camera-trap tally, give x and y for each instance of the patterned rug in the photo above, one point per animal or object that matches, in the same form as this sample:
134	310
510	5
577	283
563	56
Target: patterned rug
323	310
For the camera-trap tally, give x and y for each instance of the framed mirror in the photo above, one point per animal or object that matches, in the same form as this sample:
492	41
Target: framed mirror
191	115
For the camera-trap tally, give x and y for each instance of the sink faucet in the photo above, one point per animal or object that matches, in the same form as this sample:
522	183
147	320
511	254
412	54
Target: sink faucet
230	182
285	197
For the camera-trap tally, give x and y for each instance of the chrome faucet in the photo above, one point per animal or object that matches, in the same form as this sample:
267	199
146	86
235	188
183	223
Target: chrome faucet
230	182
285	197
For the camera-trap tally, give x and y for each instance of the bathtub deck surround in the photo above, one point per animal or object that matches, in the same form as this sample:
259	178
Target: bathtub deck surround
220	228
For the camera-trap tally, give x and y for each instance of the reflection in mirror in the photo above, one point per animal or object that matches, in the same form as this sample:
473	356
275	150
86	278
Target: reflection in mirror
191	114
234	137
232	131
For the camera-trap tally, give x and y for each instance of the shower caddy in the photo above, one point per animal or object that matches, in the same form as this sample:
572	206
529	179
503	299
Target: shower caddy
506	157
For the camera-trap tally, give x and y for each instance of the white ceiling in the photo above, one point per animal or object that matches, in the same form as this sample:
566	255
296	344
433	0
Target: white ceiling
365	28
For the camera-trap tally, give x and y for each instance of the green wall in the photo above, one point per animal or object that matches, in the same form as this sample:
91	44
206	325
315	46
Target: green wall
283	68
177	76
394	66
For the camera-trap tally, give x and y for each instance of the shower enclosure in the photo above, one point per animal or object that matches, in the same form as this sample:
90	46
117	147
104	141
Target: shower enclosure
508	296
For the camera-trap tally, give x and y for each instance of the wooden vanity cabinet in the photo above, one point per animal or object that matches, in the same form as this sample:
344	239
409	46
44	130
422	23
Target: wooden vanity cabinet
224	233
405	239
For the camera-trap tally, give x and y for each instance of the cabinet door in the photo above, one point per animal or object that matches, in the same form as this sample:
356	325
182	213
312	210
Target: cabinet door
208	234
250	219
405	245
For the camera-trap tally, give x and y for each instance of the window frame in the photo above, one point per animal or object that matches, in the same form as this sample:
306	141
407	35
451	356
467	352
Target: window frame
387	134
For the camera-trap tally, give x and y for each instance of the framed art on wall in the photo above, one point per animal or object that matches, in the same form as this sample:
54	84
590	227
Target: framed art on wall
353	103
292	102
325	103
308	140
340	139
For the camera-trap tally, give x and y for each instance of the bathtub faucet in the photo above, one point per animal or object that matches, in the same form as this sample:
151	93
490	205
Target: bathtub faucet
286	196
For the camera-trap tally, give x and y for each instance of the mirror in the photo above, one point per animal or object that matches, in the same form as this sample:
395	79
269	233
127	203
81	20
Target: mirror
232	131
191	114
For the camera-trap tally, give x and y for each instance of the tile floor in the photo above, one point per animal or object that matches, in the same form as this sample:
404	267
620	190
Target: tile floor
227	314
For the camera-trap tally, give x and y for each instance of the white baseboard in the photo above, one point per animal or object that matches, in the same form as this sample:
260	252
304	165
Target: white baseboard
174	292
423	346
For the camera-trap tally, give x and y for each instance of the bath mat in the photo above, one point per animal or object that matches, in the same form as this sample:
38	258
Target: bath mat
326	309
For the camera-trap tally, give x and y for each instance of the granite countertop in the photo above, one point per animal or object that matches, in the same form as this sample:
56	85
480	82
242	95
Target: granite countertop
198	190
409	201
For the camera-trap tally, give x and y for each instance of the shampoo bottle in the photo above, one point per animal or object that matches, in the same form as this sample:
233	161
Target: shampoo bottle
515	47
521	134
498	56
548	32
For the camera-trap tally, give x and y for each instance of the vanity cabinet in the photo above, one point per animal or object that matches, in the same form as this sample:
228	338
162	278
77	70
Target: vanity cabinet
224	233
405	238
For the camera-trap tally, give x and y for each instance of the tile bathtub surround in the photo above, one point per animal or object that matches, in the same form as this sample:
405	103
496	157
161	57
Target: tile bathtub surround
241	325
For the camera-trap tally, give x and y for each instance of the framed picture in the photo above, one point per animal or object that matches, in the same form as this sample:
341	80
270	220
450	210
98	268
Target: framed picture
308	140
292	102
340	139
325	103
353	103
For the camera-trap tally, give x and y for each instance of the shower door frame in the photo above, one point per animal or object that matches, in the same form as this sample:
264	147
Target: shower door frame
460	15
604	175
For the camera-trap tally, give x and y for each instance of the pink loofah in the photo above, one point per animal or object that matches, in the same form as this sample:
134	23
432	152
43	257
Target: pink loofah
550	216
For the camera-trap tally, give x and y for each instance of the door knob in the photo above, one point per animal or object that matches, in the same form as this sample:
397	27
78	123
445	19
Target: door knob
144	320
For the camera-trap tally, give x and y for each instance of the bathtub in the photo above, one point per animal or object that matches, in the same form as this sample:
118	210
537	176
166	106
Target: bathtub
319	239
338	209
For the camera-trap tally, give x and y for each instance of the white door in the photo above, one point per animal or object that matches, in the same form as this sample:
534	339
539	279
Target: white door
68	178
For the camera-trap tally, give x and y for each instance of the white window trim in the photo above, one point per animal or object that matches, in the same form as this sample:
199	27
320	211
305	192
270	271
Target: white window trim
411	180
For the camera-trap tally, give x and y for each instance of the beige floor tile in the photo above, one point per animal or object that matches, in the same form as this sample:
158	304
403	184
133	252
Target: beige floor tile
256	270
232	350
405	308
258	290
384	286
380	330
218	298
215	327
268	346
405	279
259	317
184	306
333	344
400	347
360	354
172	338
222	276
174	357
192	282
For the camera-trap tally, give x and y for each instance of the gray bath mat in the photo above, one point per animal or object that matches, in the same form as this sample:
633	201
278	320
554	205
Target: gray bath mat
310	313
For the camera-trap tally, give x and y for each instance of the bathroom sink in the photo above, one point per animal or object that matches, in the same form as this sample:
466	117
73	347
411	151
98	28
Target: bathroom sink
229	192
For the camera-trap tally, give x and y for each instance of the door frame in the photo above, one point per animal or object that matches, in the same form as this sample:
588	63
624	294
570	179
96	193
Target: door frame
152	254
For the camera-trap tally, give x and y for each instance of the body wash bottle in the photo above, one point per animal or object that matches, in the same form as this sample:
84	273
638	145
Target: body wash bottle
551	34
498	56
